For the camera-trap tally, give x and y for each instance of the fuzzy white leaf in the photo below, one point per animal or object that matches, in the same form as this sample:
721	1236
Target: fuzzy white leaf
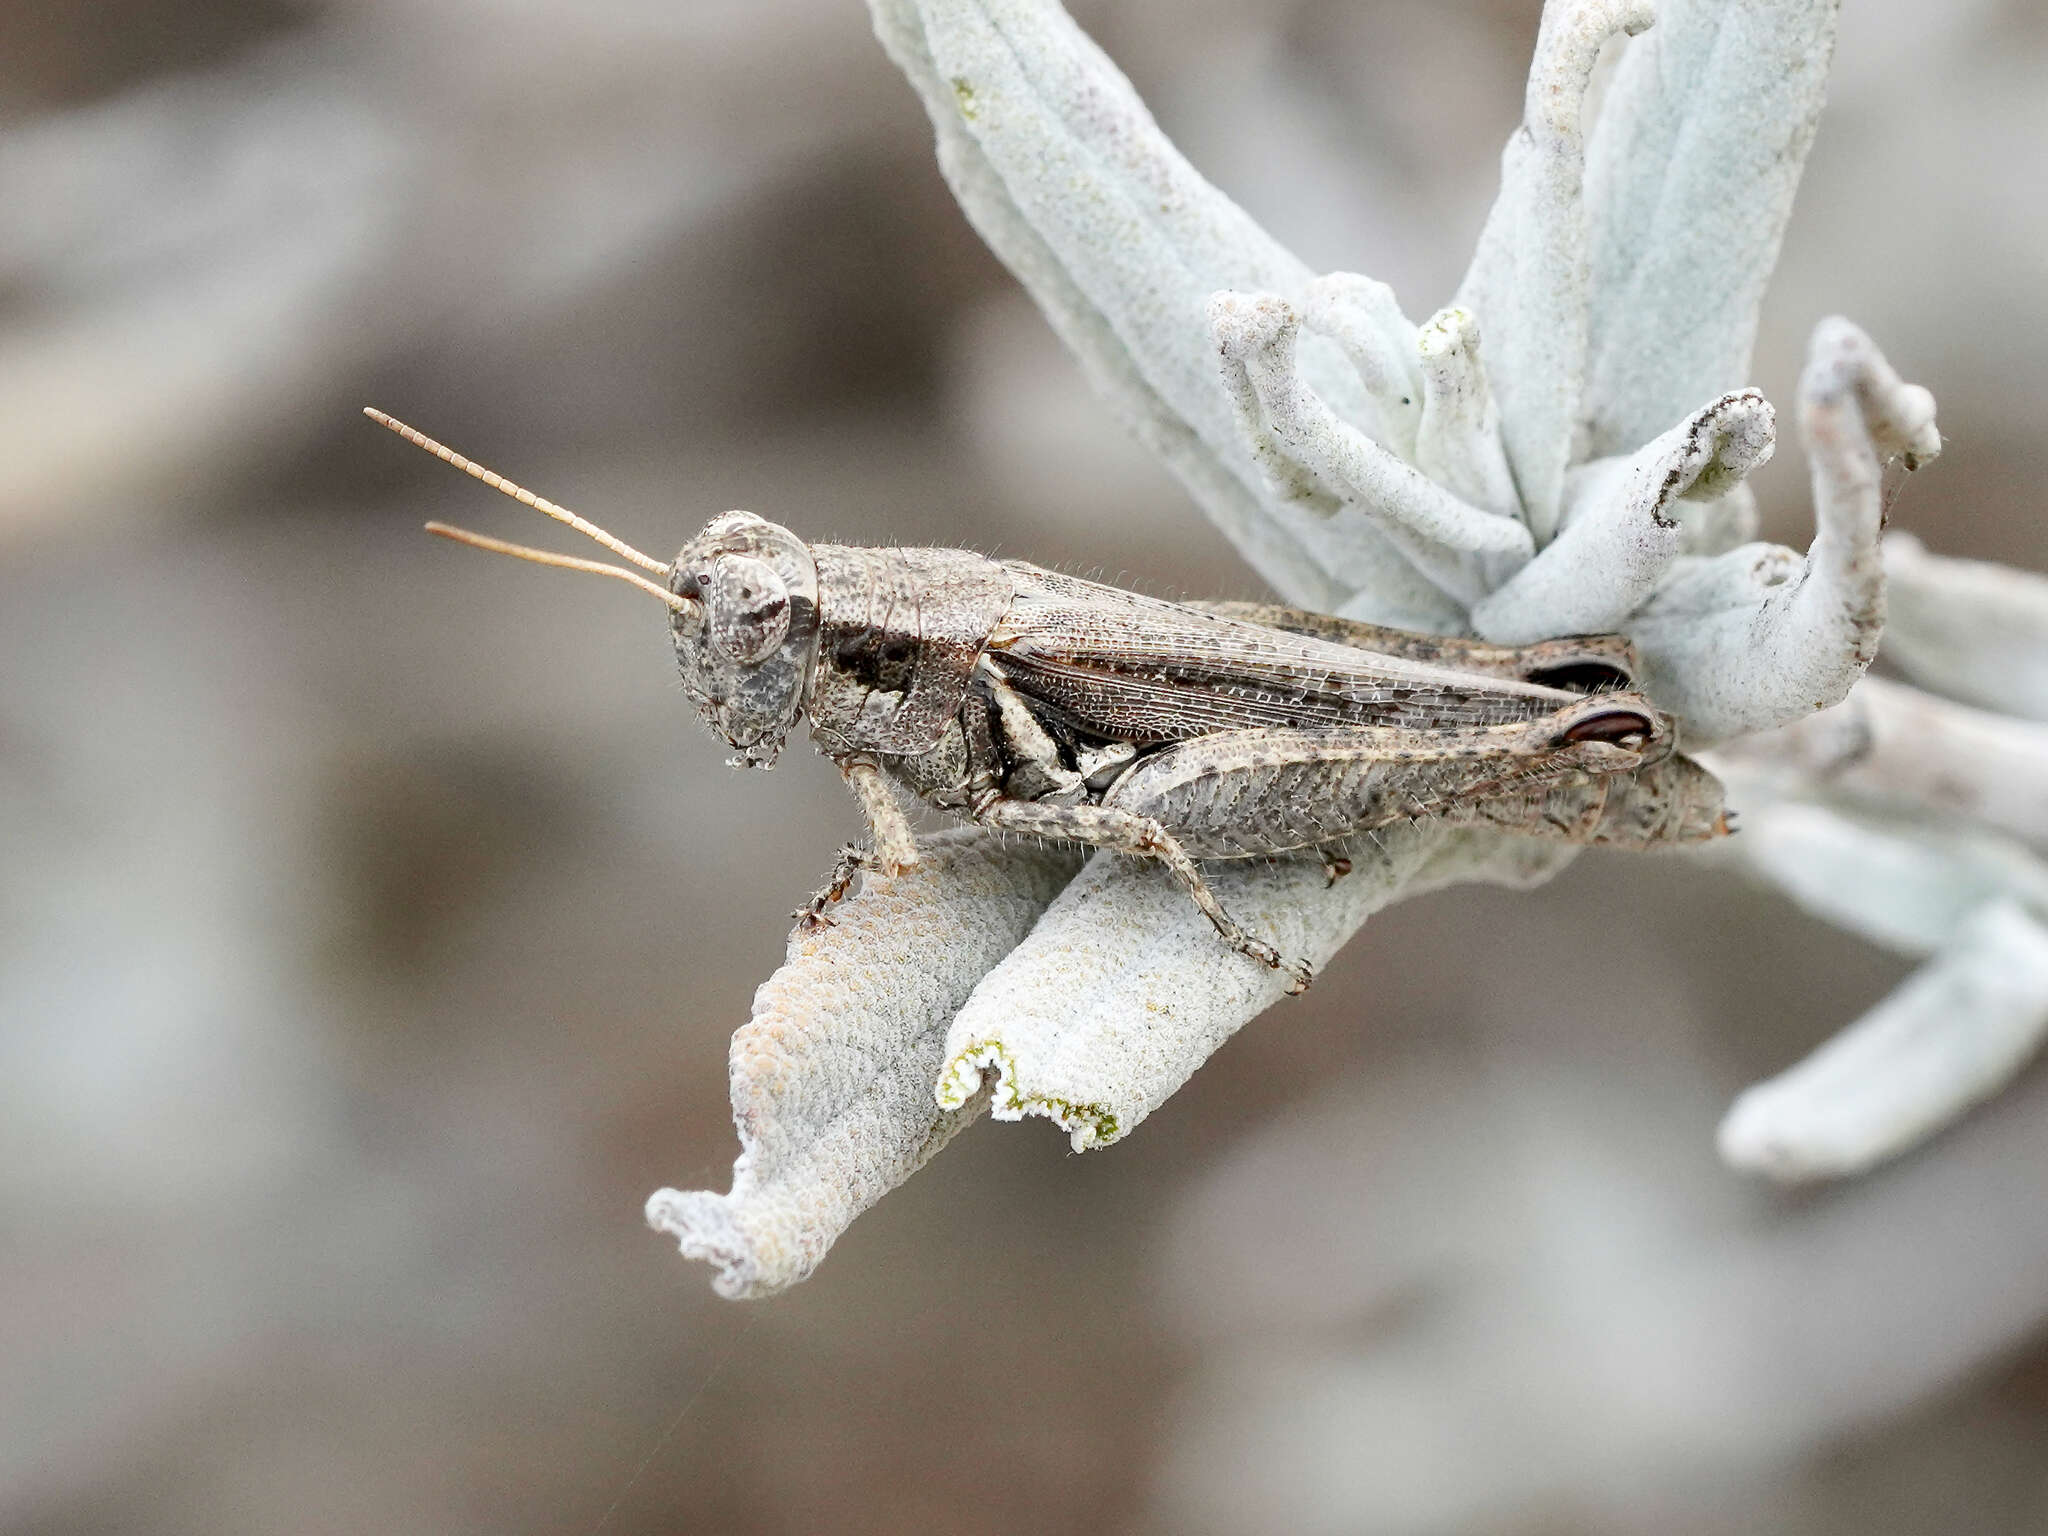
1621	529
1717	526
1892	747
1905	886
1123	990
1306	450
1968	629
1121	242
1950	1037
1362	317
1756	638
831	1079
1457	439
1690	174
1527	283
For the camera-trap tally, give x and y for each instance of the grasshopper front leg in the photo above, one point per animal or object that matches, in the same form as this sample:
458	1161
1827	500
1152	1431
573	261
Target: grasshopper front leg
889	835
891	849
1123	832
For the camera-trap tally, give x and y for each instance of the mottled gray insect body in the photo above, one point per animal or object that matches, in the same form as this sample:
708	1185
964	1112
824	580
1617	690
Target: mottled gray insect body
1028	700
1023	698
900	632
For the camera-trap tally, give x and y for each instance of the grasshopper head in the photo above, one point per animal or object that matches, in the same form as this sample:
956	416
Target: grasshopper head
747	635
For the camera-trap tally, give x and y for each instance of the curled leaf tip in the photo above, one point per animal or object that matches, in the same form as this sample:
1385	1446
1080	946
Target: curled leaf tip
988	1063
831	1077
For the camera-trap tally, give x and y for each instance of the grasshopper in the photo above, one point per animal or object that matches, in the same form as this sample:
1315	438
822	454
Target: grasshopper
1035	702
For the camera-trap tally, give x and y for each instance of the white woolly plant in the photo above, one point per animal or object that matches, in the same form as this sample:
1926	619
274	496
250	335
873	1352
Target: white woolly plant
1560	451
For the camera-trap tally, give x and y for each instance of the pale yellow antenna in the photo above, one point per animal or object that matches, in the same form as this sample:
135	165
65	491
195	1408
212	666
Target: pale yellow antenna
566	562
498	482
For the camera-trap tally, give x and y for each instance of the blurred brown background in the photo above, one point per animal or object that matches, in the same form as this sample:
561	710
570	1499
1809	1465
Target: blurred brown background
374	915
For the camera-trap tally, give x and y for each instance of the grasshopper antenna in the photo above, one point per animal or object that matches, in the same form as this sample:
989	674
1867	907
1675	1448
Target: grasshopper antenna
498	482
566	562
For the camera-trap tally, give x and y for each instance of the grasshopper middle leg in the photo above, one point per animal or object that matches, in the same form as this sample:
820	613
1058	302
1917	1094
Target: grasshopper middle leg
1123	832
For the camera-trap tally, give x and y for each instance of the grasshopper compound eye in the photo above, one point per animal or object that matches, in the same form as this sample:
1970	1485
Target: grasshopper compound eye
749	607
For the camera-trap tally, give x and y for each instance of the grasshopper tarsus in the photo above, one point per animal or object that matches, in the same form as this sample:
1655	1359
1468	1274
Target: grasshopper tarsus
814	915
1299	972
810	920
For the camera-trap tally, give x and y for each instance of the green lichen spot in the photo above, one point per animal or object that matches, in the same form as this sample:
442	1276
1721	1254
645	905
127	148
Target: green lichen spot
970	108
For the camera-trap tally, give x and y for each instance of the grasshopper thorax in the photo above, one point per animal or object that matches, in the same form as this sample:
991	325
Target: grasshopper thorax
748	638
